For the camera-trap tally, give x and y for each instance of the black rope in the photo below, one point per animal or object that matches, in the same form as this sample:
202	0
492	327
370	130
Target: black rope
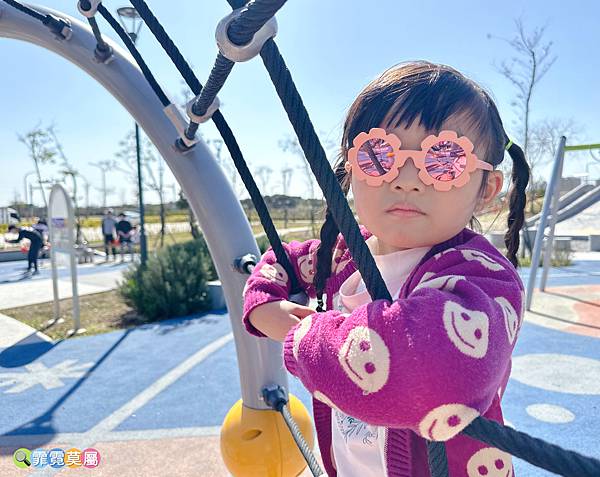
26	10
215	82
315	154
535	451
275	397
101	44
135	53
251	19
539	453
55	24
254	15
437	458
228	138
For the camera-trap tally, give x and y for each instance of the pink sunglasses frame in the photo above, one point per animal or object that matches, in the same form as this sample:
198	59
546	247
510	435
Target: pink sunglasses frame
401	155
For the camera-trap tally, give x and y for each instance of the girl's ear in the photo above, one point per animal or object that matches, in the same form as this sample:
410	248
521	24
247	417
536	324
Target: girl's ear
493	186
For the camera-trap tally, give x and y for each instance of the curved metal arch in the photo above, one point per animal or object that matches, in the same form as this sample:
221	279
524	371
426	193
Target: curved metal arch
222	219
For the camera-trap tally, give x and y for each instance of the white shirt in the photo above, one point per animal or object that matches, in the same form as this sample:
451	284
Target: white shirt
359	448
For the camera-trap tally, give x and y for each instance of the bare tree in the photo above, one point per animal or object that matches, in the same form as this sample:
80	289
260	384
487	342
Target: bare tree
127	164
291	145
263	173
543	144
525	70
105	166
68	170
41	150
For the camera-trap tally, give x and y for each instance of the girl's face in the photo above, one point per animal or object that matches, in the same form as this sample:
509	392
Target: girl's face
406	213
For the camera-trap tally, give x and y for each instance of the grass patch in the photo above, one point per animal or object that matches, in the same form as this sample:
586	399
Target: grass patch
99	313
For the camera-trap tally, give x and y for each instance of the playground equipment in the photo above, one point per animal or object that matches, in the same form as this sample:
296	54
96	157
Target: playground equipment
263	381
552	214
572	203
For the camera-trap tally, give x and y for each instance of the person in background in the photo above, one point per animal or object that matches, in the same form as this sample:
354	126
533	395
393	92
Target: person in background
34	248
108	232
42	227
124	233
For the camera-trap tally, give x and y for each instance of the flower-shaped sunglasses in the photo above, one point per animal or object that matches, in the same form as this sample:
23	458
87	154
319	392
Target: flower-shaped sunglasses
445	160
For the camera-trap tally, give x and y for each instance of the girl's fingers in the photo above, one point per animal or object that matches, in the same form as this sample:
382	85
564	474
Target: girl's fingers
302	311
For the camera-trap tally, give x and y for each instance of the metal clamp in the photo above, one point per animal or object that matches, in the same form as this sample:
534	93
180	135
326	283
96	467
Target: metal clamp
176	117
88	8
189	109
104	55
59	26
242	264
240	53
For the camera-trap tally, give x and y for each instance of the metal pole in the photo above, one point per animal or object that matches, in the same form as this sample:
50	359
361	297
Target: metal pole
553	220
228	233
56	304
143	244
539	236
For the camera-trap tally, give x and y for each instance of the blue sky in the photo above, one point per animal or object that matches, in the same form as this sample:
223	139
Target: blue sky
332	50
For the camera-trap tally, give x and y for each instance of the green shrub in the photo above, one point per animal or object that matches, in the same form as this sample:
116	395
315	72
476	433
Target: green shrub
263	243
173	282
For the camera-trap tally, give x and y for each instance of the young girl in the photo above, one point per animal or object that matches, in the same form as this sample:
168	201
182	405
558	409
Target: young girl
419	150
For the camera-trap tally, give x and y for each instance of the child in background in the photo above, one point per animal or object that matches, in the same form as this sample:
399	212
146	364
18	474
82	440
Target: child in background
420	148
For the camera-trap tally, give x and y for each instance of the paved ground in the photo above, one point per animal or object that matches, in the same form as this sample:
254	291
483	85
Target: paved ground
151	399
38	289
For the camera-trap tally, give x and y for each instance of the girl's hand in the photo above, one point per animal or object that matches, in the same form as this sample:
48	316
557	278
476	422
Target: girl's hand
275	319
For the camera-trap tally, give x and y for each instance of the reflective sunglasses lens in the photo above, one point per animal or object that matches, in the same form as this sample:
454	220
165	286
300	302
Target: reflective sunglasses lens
375	157
445	161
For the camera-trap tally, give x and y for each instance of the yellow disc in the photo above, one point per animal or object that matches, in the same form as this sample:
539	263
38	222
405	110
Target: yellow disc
258	443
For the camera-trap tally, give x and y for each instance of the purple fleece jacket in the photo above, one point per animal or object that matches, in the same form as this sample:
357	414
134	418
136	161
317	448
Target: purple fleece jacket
423	366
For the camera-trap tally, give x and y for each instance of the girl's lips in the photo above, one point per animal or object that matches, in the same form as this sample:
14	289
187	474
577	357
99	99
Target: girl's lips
405	213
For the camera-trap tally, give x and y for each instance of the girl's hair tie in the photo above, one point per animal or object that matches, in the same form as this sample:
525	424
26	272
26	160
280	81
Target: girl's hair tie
508	144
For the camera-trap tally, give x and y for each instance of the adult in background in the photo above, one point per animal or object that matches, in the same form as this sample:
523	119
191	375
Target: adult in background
34	248
124	232
109	224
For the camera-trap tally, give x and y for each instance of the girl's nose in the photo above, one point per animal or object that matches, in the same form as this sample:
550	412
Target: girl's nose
408	178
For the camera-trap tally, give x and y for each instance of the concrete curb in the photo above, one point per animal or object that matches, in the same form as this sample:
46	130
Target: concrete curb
14	332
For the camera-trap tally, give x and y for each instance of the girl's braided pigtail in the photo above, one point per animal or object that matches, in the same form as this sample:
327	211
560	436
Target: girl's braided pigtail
516	200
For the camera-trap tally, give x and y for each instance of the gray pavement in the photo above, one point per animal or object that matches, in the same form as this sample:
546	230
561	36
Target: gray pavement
92	278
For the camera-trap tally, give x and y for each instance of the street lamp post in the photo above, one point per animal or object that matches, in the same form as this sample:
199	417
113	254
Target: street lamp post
132	23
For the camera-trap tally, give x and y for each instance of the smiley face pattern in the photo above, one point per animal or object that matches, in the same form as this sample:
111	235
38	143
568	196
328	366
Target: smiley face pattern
300	333
483	259
464	308
307	267
467	329
511	320
490	462
446	282
444	422
365	359
275	273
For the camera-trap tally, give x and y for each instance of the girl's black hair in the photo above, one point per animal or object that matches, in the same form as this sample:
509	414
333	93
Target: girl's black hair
429	93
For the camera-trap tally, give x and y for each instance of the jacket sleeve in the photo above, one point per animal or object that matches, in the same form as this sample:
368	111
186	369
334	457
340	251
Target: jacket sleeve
270	282
430	362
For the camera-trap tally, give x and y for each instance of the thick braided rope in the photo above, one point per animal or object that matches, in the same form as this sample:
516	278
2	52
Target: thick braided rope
135	53
482	429
535	451
252	18
26	10
228	138
314	153
437	458
255	14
